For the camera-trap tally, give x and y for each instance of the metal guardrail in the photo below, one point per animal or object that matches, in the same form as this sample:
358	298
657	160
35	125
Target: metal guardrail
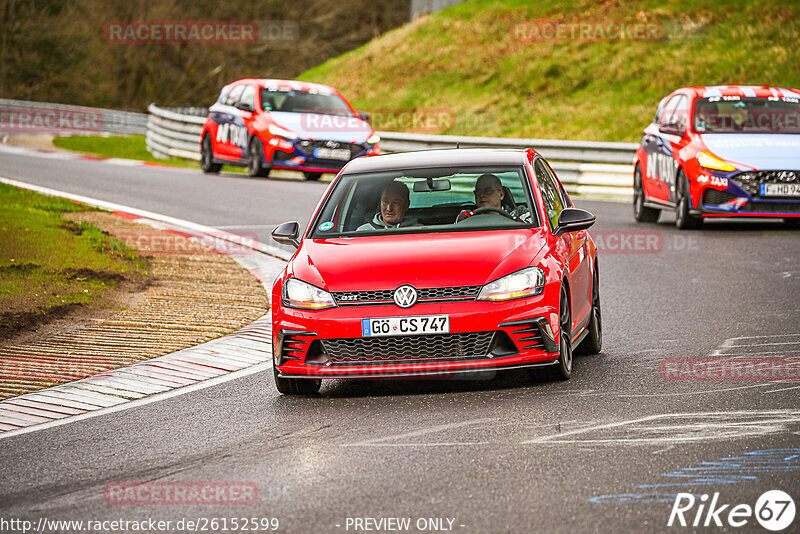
584	167
174	133
23	116
552	149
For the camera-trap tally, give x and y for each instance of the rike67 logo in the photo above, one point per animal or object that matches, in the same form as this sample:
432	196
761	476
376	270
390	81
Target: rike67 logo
774	510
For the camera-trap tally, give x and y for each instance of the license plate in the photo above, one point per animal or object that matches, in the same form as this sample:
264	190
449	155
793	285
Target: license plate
342	154
780	190
405	326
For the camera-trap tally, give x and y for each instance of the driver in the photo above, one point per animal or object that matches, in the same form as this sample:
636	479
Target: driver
489	193
393	207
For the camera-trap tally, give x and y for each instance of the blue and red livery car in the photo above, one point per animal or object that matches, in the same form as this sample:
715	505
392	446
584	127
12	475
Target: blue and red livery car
282	124
721	151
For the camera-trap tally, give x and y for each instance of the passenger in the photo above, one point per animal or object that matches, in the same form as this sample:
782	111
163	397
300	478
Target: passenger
392	209
489	193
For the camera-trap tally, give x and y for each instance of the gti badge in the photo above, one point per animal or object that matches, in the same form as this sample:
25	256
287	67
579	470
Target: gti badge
405	296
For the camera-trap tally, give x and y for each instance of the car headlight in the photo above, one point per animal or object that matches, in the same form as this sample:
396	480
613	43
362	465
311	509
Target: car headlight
709	161
374	139
274	129
299	294
524	283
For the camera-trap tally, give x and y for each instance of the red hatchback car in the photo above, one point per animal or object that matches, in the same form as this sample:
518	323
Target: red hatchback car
282	124
434	263
721	151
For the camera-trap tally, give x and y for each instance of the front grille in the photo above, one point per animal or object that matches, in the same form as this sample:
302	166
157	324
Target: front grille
355	297
386	296
751	180
436	347
308	146
715	198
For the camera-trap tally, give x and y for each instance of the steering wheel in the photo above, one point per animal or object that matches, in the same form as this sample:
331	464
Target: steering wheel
489	209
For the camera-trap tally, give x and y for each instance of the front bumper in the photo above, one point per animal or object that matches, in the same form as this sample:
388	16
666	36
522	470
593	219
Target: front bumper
484	336
299	155
741	199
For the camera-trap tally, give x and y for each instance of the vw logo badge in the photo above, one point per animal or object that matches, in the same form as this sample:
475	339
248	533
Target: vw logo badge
405	296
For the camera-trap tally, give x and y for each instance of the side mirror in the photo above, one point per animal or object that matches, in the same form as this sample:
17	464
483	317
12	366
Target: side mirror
671	129
572	220
287	234
244	106
364	116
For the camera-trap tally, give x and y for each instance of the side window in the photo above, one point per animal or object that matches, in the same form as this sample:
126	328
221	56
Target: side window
666	113
249	96
552	200
234	95
679	112
565	200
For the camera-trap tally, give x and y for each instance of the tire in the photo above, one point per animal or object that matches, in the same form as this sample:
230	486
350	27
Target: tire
295	386
312	176
562	370
593	342
683	219
255	163
640	212
207	158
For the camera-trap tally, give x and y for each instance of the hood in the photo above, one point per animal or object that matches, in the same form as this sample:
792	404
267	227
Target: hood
759	151
328	127
422	260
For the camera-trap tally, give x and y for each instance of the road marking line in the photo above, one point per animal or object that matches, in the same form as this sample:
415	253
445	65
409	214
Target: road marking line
783	389
681	394
142	402
415	433
557	438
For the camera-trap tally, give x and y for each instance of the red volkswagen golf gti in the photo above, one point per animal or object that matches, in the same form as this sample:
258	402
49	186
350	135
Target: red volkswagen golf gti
435	263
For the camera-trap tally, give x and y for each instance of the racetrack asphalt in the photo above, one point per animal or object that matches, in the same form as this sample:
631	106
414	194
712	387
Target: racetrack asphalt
603	452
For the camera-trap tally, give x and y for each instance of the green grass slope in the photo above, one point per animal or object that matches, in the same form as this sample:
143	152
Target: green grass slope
467	72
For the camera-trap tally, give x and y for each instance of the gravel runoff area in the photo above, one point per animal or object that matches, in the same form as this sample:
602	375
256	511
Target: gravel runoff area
195	294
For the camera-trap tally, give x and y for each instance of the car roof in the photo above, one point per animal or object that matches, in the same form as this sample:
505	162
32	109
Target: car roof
289	85
443	157
763	91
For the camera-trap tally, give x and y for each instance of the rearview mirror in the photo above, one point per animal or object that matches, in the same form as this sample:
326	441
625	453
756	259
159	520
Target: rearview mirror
432	185
287	234
364	116
572	220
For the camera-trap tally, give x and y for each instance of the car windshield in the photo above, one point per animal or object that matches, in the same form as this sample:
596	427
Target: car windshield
748	115
426	200
303	102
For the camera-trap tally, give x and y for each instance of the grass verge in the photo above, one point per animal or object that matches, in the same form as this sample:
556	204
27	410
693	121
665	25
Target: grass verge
478	68
125	147
117	146
49	264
